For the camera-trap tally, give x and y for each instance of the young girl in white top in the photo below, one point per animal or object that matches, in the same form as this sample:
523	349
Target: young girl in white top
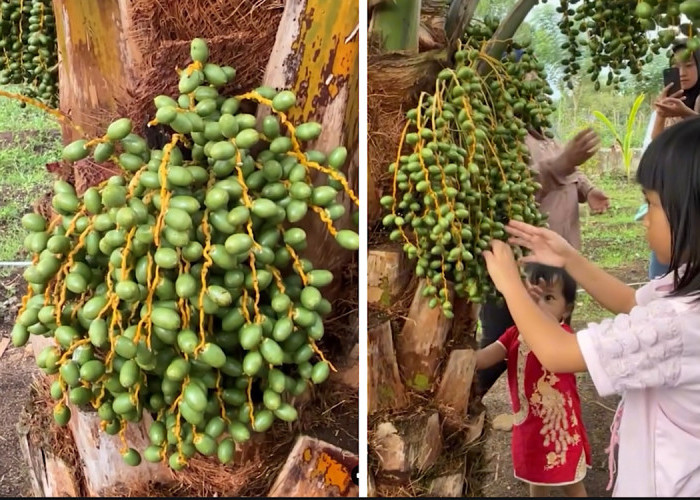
650	352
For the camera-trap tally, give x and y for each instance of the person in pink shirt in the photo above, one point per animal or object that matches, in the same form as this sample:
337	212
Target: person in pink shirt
649	353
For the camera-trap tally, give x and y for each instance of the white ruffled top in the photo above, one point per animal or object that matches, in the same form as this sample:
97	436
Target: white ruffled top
651	357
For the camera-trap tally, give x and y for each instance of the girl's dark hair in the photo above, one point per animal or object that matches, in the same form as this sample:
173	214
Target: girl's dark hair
670	166
549	274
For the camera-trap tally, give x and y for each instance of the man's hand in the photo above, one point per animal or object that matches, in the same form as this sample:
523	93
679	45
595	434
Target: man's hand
598	201
581	148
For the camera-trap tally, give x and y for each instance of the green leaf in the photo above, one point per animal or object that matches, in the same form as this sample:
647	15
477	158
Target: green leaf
629	129
608	124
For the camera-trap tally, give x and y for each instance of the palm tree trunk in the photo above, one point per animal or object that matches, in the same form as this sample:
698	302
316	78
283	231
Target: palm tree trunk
316	55
395	26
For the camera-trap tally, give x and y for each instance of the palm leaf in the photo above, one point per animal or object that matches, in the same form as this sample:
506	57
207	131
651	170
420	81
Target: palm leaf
608	124
630	121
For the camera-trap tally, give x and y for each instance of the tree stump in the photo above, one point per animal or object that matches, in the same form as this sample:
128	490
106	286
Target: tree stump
49	475
385	388
103	465
245	452
101	460
464	324
475	428
387	275
392	451
349	376
38	344
455	385
448	486
424	440
421	342
315	468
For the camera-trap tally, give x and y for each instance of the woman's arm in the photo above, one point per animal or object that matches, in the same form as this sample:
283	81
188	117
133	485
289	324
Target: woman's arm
659	125
490	355
660	114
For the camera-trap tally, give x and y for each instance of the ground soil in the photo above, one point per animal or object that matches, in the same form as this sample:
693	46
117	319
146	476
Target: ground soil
17	367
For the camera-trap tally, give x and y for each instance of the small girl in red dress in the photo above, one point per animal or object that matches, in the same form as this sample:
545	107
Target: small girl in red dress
549	443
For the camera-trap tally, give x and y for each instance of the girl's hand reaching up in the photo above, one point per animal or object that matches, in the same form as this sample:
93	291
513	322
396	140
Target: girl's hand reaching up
505	269
546	246
502	266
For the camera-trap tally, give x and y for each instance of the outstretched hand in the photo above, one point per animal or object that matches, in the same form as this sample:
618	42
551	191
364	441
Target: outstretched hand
581	148
535	291
546	246
504	271
502	266
672	107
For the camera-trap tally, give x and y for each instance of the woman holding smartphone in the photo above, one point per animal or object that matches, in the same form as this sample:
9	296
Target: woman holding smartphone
671	109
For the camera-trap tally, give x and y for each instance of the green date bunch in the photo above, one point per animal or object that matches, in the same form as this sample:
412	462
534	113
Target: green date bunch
29	52
178	288
624	34
462	167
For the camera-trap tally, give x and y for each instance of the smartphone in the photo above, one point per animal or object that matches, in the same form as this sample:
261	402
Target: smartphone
672	77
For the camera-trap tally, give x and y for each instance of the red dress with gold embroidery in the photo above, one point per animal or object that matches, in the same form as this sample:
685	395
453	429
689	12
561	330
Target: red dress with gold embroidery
549	443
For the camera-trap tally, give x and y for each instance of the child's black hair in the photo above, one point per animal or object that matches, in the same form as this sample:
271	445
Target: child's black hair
549	274
670	166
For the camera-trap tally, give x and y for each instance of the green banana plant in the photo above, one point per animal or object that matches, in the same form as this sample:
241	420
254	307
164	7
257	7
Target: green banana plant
626	141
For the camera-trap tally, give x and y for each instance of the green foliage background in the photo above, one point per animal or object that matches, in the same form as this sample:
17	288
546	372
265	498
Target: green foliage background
575	108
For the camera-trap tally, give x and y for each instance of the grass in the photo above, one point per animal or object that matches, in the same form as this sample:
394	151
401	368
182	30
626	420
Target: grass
23	174
14	117
613	241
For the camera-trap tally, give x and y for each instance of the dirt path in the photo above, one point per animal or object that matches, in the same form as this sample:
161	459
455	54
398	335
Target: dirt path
16	369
